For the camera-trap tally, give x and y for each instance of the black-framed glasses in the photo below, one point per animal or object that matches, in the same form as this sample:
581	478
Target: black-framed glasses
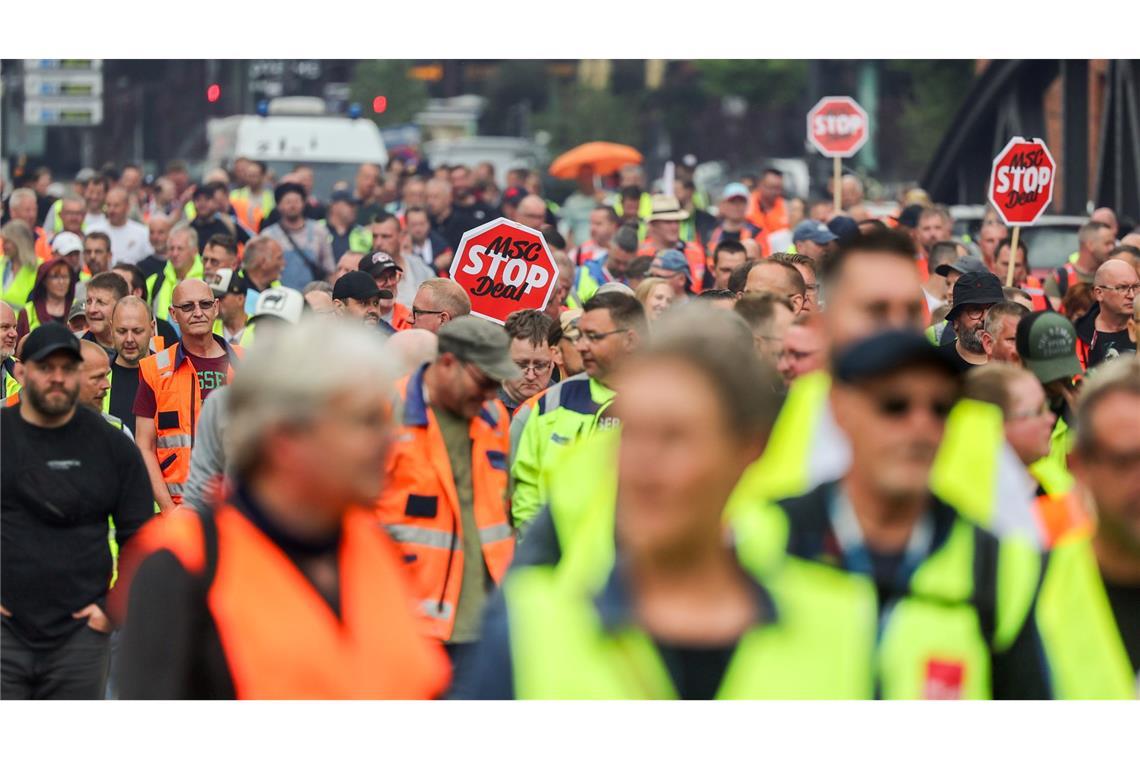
188	308
537	367
417	313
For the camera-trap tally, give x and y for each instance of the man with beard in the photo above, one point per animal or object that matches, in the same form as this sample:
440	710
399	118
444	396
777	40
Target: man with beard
974	294
307	244
65	471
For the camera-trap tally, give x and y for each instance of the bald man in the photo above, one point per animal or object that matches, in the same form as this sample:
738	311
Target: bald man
531	212
130	240
778	277
93	382
172	386
413	348
8	336
1102	333
1106	216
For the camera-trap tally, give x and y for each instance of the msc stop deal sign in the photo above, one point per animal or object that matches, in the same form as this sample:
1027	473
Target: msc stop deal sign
837	126
504	267
1021	183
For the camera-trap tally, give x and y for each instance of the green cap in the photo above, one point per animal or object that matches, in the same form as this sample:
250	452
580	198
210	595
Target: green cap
480	342
1047	343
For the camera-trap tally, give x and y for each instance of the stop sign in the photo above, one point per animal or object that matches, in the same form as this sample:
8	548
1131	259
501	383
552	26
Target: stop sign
1021	182
837	126
504	267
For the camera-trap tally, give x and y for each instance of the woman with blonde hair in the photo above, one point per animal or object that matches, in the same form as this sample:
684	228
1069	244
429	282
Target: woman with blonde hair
20	263
655	294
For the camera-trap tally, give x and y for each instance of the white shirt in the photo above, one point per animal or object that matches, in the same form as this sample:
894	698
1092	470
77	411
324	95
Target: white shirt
130	243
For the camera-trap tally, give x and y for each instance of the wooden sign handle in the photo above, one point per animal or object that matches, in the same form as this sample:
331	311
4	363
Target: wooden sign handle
838	171
1012	256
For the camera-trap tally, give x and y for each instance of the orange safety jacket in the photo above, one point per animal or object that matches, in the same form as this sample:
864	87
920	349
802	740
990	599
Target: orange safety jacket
694	254
749	231
420	508
250	216
174	381
42	245
1061	515
1036	290
280	639
401	317
775	218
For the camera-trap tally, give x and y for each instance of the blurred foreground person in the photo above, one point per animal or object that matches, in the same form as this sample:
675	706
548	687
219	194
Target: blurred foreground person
947	628
1089	612
684	614
287	589
64	472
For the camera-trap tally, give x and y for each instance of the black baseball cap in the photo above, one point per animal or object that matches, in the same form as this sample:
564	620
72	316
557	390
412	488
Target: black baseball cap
887	352
358	285
342	196
376	264
46	340
908	217
978	289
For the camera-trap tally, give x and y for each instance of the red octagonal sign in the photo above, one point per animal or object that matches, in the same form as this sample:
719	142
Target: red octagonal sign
837	126
1021	182
504	267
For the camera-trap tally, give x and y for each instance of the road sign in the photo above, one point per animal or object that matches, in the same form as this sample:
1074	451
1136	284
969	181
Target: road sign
63	112
63	91
837	127
1021	182
504	267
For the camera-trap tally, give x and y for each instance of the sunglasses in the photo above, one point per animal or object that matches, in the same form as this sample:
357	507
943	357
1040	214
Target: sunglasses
899	407
188	308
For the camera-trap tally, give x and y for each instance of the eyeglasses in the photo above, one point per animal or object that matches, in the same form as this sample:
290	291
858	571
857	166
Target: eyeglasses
417	313
188	308
537	367
595	337
1031	414
1126	289
899	407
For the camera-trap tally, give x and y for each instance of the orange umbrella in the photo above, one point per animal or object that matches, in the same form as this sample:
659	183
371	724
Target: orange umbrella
602	157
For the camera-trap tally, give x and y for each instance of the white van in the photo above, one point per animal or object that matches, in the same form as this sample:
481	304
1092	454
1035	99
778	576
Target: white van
295	131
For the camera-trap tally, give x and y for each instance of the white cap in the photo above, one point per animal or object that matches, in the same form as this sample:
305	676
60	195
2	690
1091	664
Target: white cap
219	281
615	287
283	303
65	243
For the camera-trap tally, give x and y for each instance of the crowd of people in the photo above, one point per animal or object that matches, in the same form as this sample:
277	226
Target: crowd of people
255	444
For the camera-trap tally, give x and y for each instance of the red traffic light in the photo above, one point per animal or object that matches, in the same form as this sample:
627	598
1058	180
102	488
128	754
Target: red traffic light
379	104
213	93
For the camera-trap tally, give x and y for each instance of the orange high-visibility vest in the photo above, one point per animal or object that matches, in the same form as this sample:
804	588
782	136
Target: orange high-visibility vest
694	254
1061	515
401	317
1036	291
174	381
280	638
420	508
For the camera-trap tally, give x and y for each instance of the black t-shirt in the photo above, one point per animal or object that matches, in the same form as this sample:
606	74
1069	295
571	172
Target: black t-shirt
207	228
1109	346
1125	603
697	672
166	331
950	350
151	265
124	387
58	486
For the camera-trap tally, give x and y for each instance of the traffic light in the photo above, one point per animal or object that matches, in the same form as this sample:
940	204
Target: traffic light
379	104
213	93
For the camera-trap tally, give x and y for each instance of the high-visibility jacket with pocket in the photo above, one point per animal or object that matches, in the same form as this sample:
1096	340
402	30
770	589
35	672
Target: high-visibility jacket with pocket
542	427
591	276
815	641
420	508
251	216
1079	631
161	286
172	377
279	638
10	386
965	603
20	288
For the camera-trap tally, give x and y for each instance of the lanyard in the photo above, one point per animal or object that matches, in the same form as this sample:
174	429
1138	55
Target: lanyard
856	556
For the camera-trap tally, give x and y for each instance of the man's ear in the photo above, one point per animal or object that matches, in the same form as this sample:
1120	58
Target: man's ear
988	343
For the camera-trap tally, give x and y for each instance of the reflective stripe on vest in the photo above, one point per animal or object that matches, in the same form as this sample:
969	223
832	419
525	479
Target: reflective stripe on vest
1079	631
372	650
420	507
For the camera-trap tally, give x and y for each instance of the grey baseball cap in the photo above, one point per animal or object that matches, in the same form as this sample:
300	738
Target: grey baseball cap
963	265
480	342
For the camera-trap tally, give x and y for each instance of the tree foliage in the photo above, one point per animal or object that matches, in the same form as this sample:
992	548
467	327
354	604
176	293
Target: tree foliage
406	96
